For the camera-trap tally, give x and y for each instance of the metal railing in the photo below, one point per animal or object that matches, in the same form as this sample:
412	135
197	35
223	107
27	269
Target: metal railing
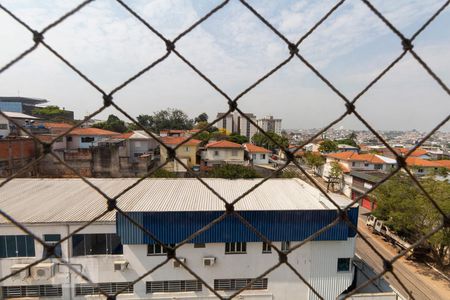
293	52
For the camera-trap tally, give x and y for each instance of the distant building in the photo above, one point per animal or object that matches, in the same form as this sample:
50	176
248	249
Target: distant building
243	126
20	104
226	123
222	152
187	153
268	123
257	155
25	121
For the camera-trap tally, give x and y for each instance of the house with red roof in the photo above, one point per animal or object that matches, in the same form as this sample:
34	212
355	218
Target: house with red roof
186	152
257	155
84	138
421	167
222	152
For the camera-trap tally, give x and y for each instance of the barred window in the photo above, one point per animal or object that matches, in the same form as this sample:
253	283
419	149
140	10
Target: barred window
32	291
96	244
157	249
87	139
108	287
237	284
285	246
16	246
235	247
173	286
343	264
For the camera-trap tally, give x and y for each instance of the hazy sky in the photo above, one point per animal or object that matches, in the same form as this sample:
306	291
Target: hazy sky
234	49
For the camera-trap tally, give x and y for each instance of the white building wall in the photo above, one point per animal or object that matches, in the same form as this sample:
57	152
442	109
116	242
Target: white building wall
77	144
316	261
260	158
223	155
4	122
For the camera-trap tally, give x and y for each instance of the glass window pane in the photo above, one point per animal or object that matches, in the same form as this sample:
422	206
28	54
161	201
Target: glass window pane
30	246
116	245
2	246
98	244
78	245
11	249
49	238
21	246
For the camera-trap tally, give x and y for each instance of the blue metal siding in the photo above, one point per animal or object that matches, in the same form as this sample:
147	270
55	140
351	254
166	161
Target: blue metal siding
173	227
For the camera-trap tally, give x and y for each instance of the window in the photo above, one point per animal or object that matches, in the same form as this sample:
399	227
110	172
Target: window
52	239
343	264
4	126
199	245
216	153
253	156
137	154
237	284
285	246
173	286
378	166
108	287
366	164
186	149
353	163
263	156
96	244
156	249
420	170
68	139
266	248
16	246
87	139
234	152
32	291
235	247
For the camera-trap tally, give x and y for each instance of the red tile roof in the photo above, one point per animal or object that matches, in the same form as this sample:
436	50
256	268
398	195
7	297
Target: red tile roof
223	144
125	135
353	156
418	162
57	125
92	131
175	140
256	149
417	152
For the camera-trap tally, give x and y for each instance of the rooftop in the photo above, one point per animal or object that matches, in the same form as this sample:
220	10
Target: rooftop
176	140
353	156
223	144
17	115
92	131
24	100
256	149
72	200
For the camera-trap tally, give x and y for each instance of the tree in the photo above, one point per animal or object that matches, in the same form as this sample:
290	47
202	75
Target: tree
51	113
262	140
166	119
203	117
113	123
335	174
408	212
233	172
347	141
314	160
328	146
237	138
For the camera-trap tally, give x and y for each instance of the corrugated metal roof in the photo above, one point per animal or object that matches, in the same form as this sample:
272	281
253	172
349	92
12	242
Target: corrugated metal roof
72	200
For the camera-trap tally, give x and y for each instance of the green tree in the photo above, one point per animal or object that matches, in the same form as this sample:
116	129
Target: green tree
313	160
113	123
166	119
328	146
347	141
161	173
203	117
233	172
262	140
51	113
407	211
237	138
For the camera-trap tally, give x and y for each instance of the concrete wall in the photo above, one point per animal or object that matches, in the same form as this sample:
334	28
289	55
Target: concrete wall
315	261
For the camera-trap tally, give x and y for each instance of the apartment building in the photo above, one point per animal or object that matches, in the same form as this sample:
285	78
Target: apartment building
238	124
269	123
112	252
226	123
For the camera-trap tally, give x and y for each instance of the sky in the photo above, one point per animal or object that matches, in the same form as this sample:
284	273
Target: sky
234	48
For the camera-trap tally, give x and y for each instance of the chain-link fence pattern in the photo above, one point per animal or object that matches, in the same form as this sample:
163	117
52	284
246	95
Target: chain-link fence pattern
293	51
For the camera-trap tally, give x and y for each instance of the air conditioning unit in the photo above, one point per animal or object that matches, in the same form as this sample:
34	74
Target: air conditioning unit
120	265
43	271
209	261
176	264
21	275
